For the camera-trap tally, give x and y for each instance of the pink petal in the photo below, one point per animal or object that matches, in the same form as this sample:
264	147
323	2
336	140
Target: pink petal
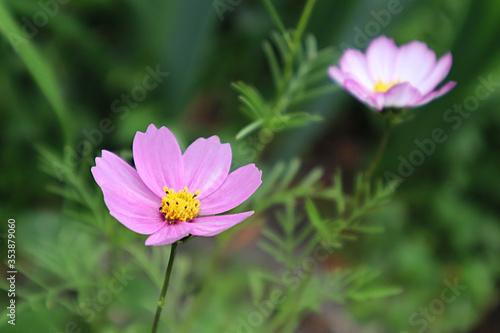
354	63
206	164
238	186
213	225
364	95
438	93
337	75
437	75
401	95
381	55
128	199
414	63
170	233
158	159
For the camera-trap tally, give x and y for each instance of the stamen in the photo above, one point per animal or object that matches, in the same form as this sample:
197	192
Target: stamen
381	86
180	206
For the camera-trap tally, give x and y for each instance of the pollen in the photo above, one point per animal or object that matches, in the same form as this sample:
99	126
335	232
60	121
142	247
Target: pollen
381	86
180	206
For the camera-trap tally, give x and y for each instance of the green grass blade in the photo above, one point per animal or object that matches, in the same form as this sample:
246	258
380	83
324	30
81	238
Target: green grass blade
37	66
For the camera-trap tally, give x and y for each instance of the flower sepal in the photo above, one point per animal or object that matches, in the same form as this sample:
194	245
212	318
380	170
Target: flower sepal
395	116
185	239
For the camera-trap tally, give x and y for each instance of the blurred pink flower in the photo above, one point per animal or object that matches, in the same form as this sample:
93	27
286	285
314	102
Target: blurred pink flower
391	77
172	195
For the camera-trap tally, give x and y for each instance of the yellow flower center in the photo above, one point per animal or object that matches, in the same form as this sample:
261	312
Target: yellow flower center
180	206
381	86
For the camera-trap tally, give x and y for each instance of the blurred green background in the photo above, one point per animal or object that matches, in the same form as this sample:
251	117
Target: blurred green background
66	71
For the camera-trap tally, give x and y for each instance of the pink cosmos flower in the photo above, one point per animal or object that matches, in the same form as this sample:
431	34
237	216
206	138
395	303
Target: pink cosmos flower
172	195
388	76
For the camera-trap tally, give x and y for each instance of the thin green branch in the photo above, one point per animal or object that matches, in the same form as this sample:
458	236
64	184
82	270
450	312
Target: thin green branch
295	46
378	155
161	301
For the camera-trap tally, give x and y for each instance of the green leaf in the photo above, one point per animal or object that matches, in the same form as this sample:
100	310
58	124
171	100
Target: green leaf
38	67
311	47
271	178
314	93
253	96
253	126
282	46
376	293
301	118
273	237
368	229
273	64
276	253
290	174
316	219
274	15
313	177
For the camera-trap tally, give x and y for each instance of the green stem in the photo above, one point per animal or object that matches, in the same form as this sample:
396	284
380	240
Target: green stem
294	45
378	155
161	301
371	168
